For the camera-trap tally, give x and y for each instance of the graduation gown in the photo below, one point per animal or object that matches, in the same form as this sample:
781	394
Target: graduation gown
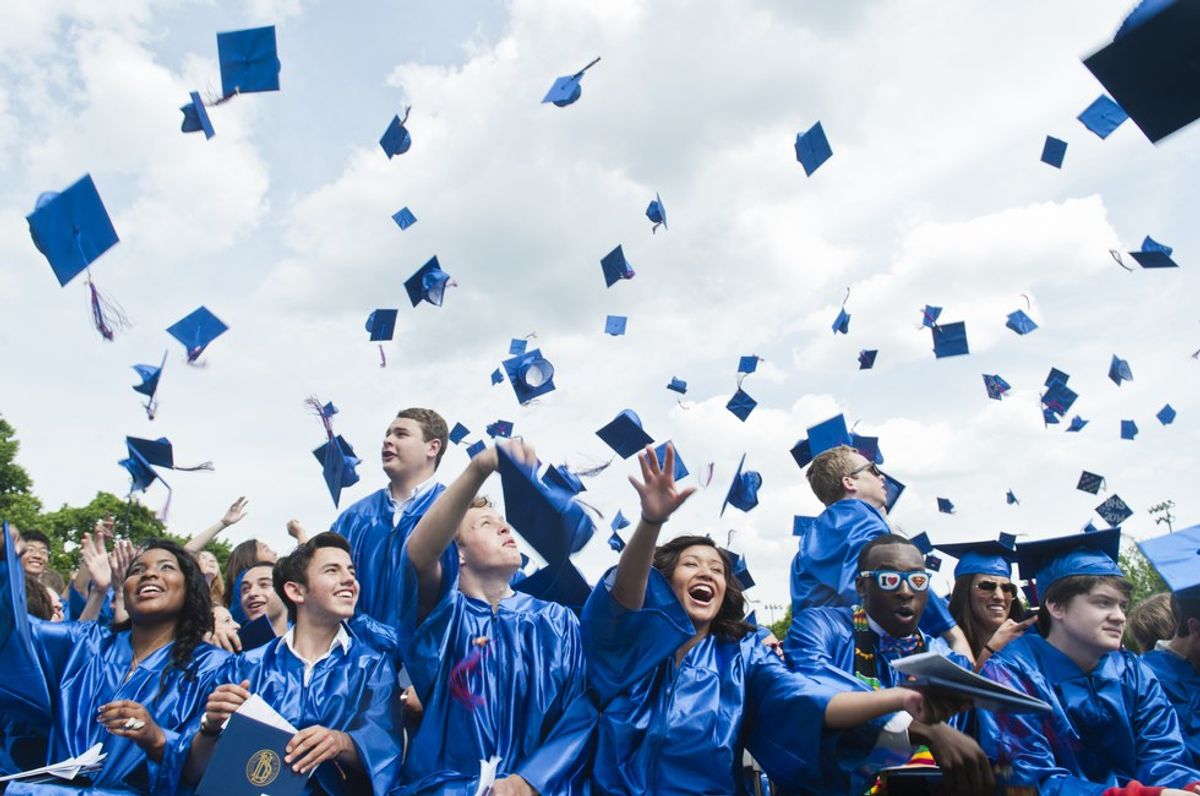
1109	727
826	564
820	643
668	729
352	690
1181	683
375	545
531	706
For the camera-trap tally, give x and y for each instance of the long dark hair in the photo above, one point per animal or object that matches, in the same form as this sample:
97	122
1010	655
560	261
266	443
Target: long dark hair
195	619
241	558
728	624
960	608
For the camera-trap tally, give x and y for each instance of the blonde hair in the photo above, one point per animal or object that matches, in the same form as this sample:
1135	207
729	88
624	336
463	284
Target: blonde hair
826	472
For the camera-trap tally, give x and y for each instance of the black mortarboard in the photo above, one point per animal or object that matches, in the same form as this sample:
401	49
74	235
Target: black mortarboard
1090	482
249	61
71	228
196	330
866	359
530	375
1114	511
429	283
624	434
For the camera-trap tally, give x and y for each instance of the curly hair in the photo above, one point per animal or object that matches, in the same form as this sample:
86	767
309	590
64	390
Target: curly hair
728	624
195	618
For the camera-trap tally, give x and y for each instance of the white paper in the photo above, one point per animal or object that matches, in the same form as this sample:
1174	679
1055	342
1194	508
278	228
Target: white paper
256	708
67	769
487	775
932	664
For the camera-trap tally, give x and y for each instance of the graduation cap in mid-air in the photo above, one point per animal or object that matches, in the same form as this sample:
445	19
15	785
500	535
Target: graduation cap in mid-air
678	385
1103	116
1090	482
1154	255
1129	429
866	359
249	61
335	454
1118	370
1053	151
1166	415
1114	511
561	476
501	428
996	386
616	267
1150	67
821	437
497	376
748	364
429	284
812	148
146	454
892	489
842	322
738	569
404	218
195	117
743	490
1077	423
458	433
476	448
615	325
546	516
567	89
530	374
1020	323
950	340
945	506
1011	498
929	316
396	140
741	404
657	212
382	324
1058	397
517	346
990	557
680	470
1048	561
196	330
150	374
624	434
1176	558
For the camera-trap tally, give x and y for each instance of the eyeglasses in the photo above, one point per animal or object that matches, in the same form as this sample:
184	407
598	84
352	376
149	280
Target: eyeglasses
989	586
869	467
890	580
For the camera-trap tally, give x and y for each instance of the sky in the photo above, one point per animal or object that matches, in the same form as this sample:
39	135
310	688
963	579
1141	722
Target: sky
281	225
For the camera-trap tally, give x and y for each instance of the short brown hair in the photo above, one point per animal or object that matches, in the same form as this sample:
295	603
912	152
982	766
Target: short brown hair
1150	622
1061	592
433	426
826	472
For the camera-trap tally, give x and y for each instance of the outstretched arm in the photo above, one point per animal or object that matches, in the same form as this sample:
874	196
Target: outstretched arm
99	571
660	499
230	517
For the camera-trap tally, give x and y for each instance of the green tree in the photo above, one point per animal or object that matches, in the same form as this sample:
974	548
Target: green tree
780	628
18	504
1139	572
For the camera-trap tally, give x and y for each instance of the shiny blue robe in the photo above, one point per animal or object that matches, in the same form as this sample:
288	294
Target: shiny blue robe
352	691
668	729
1108	727
1181	683
534	709
820	644
375	547
826	564
76	602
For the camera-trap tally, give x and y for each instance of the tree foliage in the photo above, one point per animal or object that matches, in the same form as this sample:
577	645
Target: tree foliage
1139	572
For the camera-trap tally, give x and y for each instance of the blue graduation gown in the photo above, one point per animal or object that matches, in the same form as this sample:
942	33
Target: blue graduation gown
820	644
826	564
1181	683
375	546
682	730
76	602
353	691
1108	727
535	713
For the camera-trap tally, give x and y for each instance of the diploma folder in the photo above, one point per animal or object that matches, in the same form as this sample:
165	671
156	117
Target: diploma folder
942	676
248	761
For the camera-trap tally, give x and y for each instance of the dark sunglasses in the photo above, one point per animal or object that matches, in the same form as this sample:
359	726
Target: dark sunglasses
989	586
869	467
890	580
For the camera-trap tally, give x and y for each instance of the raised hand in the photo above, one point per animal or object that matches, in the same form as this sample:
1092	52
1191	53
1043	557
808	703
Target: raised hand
1009	631
296	531
95	561
657	489
235	512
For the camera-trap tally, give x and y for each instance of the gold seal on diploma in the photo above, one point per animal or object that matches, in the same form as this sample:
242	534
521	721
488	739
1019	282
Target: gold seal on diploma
262	768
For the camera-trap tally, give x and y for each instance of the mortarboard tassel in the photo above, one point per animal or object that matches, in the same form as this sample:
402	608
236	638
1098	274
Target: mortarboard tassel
1116	255
460	689
382	357
106	314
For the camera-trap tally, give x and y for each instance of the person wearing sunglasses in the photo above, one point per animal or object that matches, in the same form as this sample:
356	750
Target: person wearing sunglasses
853	647
985	602
824	570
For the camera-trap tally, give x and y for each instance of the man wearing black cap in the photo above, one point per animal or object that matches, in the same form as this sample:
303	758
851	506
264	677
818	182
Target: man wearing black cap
854	647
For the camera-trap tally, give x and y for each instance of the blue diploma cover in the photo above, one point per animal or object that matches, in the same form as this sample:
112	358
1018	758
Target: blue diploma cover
248	761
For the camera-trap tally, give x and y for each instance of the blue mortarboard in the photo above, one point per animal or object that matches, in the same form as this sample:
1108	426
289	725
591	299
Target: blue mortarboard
867	446
1103	116
1129	429
1077	423
71	228
1020	323
1053	151
922	543
945	506
476	448
1166	415
559	476
1011	498
866	359
1058	397
828	434
195	117
929	315
547	517
567	89
150	375
981	558
497	376
1150	66
950	340
616	267
615	325
615	542
530	375
1049	417
249	61
739	570
396	140
892	490
678	385
995	386
657	212
1149	244
1176	557
624	434
619	521
812	148
141	474
802	453
404	218
802	525
1090	482
1050	560
429	283
743	492
1154	255
501	428
1114	511
145	455
741	404
459	433
748	364
680	471
842	322
1119	371
196	330
337	465
517	346
1056	376
563	584
382	324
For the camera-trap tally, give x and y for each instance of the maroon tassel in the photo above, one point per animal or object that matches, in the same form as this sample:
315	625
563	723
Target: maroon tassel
382	357
105	314
460	673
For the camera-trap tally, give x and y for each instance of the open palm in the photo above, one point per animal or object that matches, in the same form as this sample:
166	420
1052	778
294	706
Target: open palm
657	489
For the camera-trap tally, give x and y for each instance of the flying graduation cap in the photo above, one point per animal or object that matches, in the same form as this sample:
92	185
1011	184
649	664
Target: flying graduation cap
560	476
404	218
616	267
657	213
396	139
1118	370
680	470
1114	511
741	404
196	330
429	284
821	437
1166	415
1176	558
249	61
624	434
1129	429
945	506
678	385
743	491
530	374
568	89
1077	423
501	428
1058	397
1020	323
382	324
996	386
144	456
1053	151
929	316
195	117
1011	498
1090	482
866	359
842	322
615	541
950	340
615	325
812	148
1154	255
1103	116
150	374
335	455
459	433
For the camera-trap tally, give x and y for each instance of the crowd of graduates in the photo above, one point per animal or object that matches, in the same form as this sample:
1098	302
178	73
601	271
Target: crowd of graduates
397	647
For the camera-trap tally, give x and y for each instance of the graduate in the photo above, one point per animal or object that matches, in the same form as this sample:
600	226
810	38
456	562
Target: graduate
378	525
683	684
340	692
855	646
259	598
1112	730
985	602
500	673
130	688
855	498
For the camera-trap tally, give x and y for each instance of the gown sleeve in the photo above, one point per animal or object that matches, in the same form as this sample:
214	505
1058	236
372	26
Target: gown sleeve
1161	753
423	641
623	646
25	686
374	730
